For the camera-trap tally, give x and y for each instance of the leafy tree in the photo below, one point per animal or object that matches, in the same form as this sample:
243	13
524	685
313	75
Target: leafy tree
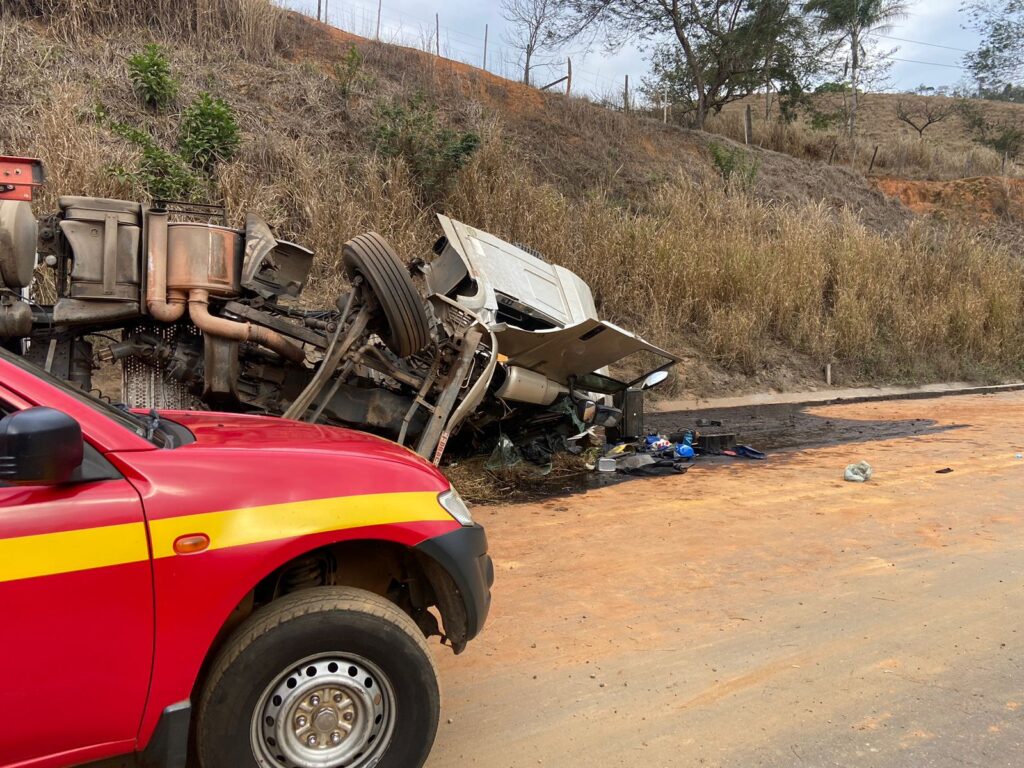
998	63
778	58
851	22
718	50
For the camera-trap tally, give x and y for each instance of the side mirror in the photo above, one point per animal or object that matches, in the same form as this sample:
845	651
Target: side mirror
39	445
654	380
586	411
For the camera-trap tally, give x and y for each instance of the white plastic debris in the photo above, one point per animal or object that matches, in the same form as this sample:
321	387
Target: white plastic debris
859	472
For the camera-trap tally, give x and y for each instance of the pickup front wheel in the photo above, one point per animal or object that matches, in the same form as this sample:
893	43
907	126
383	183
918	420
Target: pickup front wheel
331	677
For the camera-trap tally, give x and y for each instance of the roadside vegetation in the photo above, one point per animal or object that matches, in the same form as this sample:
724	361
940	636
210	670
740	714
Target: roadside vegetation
761	268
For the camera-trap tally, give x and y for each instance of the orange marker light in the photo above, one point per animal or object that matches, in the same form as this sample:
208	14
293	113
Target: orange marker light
191	543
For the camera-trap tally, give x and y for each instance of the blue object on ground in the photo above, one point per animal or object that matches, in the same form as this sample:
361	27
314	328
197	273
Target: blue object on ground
683	450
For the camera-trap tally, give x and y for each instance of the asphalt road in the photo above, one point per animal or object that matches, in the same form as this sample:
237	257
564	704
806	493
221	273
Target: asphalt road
764	614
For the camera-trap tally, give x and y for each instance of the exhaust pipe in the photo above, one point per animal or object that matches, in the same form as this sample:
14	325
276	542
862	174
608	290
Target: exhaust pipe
167	307
199	312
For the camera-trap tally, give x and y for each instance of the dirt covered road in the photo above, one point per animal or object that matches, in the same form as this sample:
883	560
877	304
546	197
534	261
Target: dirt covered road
764	614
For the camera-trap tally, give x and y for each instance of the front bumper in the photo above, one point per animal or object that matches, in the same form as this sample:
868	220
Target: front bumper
462	574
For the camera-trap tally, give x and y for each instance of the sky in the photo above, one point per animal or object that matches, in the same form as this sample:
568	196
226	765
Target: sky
600	73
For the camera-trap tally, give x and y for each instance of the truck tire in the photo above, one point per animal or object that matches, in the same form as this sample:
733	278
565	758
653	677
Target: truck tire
406	330
322	678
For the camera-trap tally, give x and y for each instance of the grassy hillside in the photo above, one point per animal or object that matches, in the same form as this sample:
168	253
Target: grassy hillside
760	278
945	151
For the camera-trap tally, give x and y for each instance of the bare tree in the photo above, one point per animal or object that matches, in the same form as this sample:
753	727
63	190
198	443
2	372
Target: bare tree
530	22
919	114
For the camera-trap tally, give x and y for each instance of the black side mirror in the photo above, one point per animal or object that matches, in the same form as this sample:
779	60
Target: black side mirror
39	445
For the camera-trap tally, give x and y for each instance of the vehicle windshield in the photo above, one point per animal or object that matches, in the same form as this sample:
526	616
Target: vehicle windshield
123	417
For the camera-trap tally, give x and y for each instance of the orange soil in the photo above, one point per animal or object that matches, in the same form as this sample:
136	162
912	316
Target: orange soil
474	82
987	198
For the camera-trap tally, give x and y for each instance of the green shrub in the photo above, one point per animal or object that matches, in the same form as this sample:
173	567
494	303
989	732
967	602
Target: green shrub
433	152
737	166
209	133
1004	136
348	71
150	73
164	175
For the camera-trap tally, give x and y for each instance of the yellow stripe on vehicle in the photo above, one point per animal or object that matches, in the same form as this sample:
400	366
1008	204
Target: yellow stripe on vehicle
47	554
255	525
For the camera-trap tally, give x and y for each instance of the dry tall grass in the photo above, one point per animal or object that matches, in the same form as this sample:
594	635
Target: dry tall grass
740	277
945	152
746	283
250	25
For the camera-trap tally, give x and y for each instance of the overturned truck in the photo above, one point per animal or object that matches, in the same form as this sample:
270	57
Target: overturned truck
478	339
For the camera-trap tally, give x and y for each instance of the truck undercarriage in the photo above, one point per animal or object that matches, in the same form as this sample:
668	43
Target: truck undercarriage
479	339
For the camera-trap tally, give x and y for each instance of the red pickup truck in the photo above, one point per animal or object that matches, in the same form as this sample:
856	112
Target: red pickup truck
229	590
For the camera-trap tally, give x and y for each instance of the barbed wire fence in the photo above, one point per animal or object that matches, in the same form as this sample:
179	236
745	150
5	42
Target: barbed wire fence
484	48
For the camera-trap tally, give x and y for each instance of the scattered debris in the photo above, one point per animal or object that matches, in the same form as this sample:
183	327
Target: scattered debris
747	452
859	472
666	454
943	471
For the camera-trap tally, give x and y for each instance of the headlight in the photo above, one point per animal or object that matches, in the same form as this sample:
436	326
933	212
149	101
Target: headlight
455	506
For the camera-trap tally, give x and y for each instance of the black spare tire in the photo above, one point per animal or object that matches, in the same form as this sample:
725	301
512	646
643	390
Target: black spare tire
404	326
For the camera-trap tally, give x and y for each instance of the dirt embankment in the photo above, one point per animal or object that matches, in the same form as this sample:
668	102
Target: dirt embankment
985	198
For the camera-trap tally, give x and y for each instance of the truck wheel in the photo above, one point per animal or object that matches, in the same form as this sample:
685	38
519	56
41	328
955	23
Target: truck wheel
407	329
330	677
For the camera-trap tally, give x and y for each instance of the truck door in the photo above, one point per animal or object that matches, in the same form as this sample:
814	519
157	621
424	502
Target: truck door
76	616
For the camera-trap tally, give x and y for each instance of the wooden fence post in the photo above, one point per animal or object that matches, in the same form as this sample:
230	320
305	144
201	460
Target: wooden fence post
437	33
625	96
485	47
319	10
379	4
832	155
873	156
568	77
748	125
664	107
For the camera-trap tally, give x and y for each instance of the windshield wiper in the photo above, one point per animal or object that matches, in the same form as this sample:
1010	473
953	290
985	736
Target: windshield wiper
152	423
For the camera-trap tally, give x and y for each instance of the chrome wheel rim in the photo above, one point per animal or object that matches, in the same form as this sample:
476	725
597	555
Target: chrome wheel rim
328	711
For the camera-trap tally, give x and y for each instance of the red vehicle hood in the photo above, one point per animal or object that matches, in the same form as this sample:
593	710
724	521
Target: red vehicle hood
261	433
284	459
